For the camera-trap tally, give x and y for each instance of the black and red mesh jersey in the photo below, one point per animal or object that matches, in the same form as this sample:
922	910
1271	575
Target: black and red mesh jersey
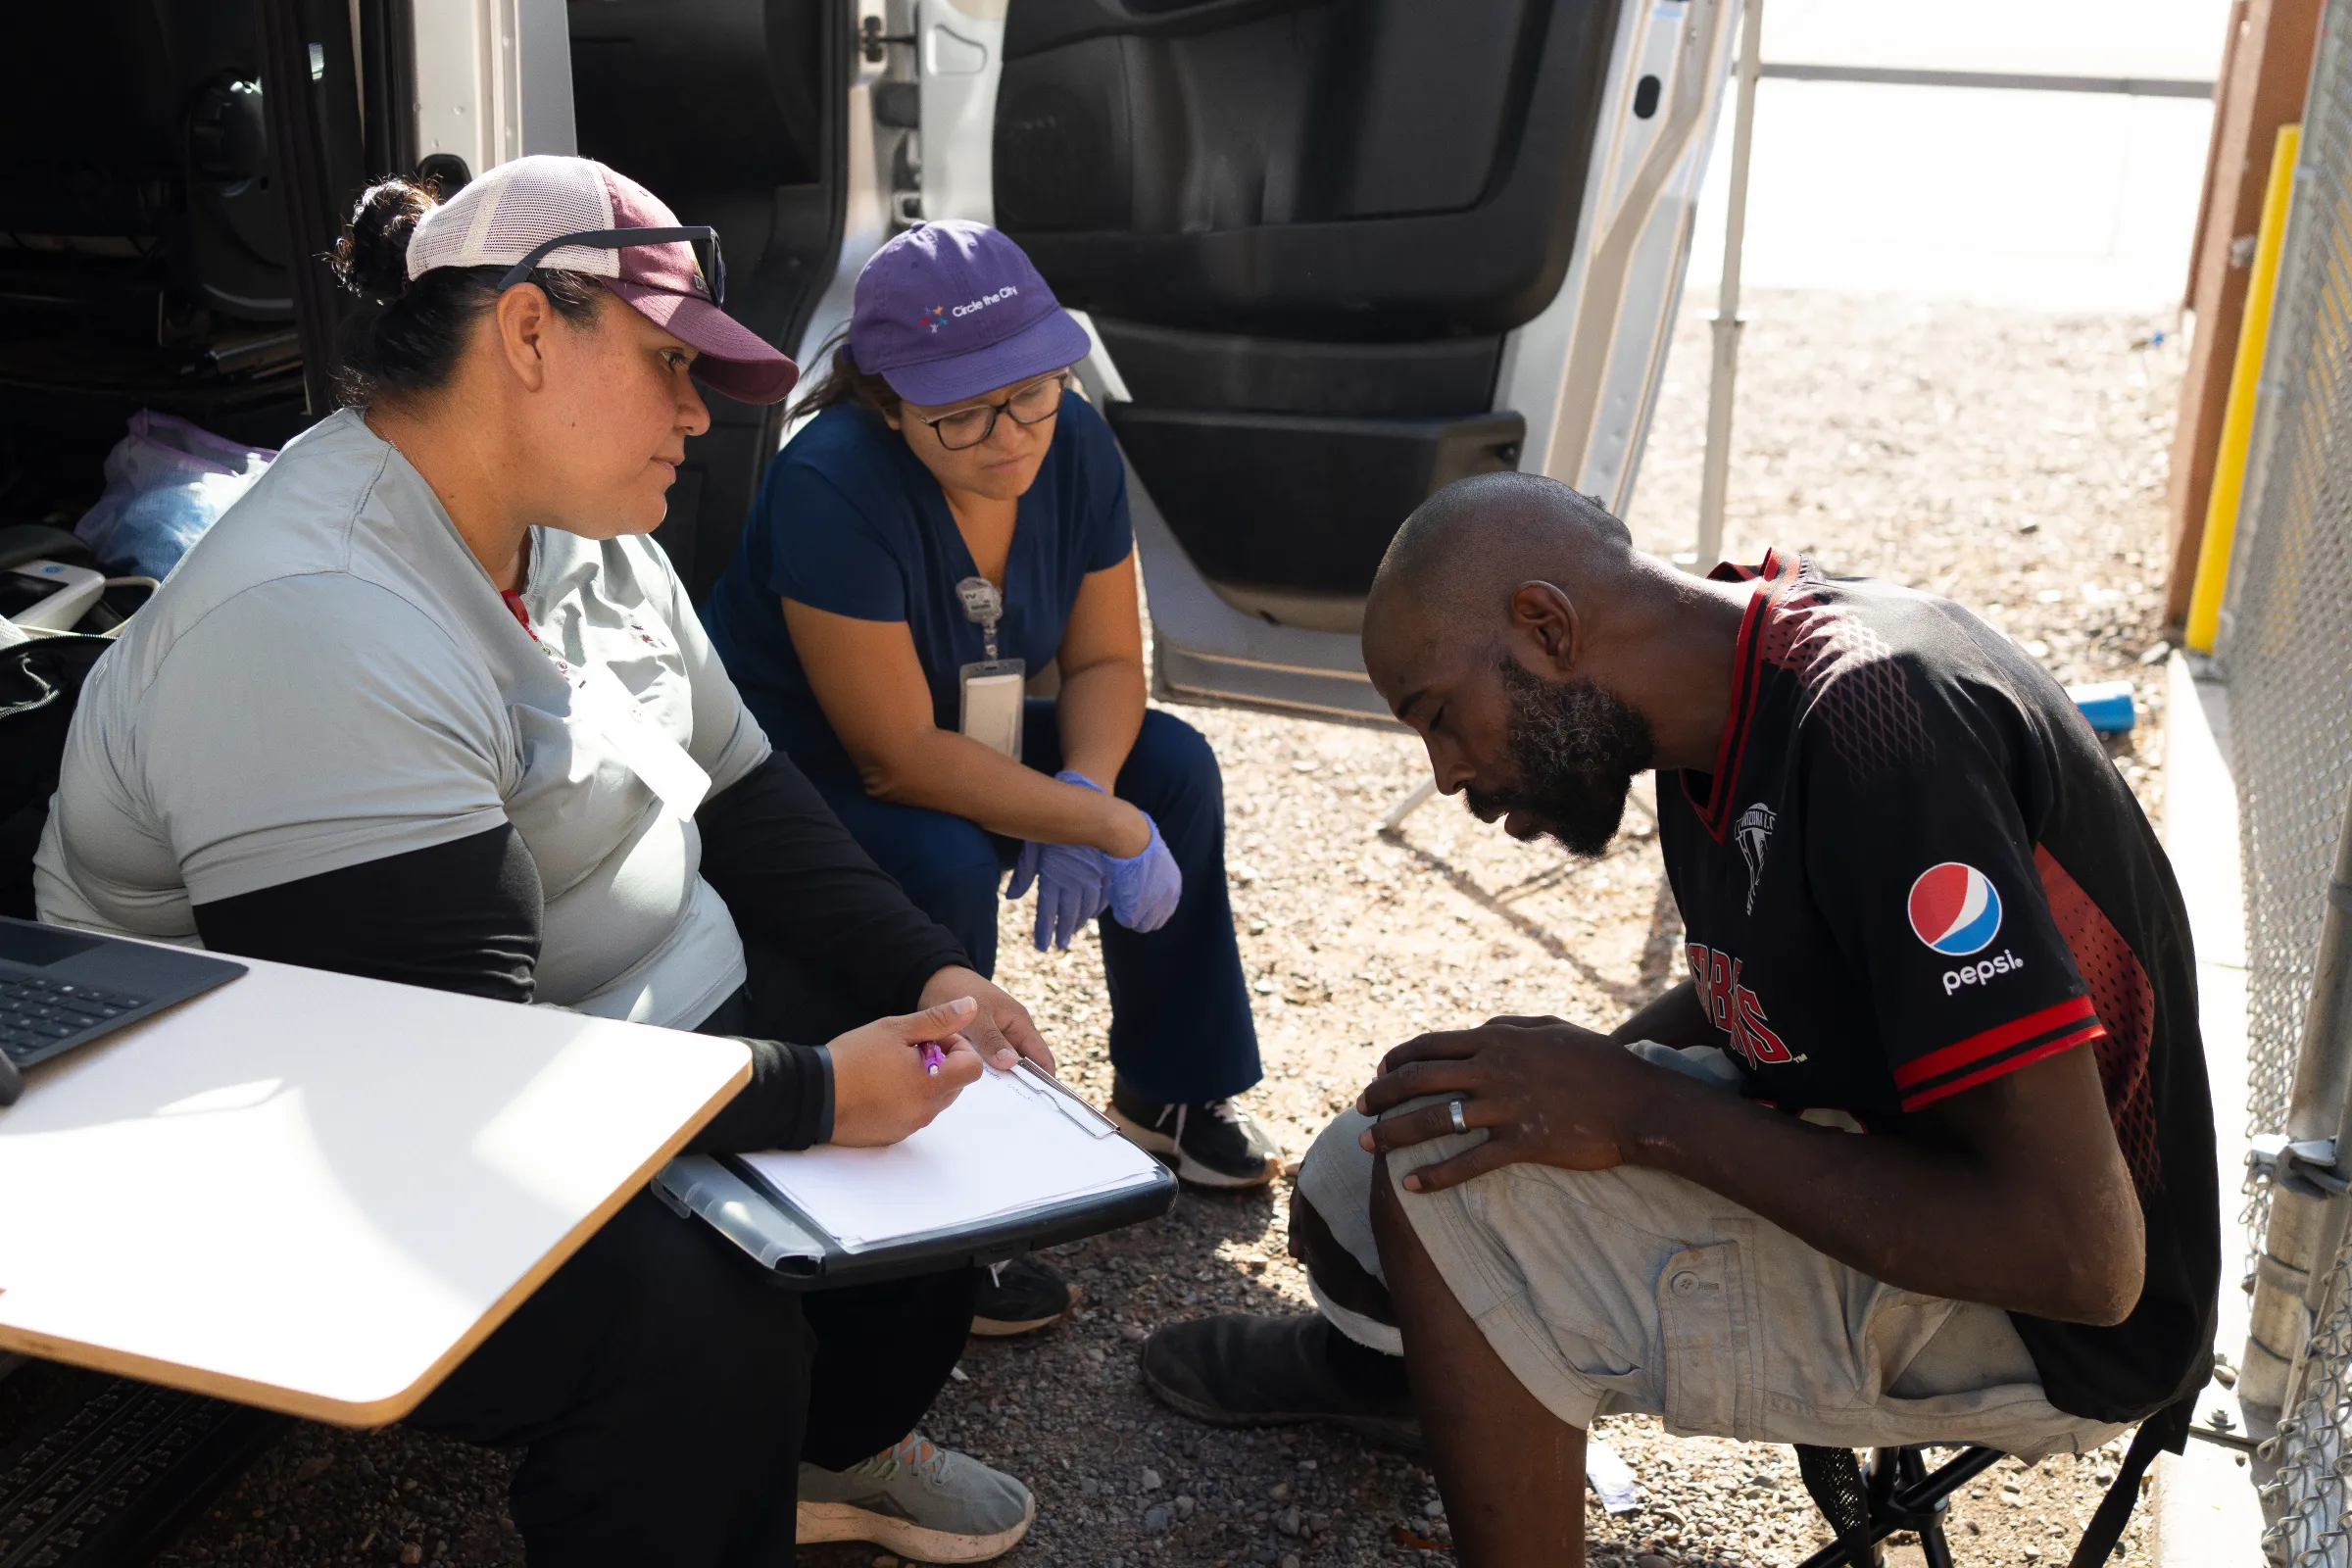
1913	870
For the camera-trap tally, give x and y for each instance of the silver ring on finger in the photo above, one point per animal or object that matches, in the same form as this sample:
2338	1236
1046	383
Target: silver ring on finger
1453	1109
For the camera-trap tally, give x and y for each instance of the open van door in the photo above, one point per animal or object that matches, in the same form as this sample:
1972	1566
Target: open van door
1337	253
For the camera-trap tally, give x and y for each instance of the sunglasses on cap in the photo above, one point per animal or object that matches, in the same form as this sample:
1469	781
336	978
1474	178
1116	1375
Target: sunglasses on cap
713	274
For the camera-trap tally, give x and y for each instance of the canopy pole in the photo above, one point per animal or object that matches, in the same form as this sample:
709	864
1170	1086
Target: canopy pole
1727	320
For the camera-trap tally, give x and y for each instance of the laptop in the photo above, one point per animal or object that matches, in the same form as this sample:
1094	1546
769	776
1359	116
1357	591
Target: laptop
62	988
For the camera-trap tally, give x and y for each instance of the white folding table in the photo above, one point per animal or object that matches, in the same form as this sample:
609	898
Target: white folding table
318	1194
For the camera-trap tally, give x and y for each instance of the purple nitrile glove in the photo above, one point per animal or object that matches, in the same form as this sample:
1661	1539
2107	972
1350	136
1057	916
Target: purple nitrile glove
1073	881
1144	889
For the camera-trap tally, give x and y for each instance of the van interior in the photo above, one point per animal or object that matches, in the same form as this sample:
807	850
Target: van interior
170	166
1304	228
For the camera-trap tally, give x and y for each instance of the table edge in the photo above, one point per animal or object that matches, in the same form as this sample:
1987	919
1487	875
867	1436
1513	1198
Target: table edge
393	1407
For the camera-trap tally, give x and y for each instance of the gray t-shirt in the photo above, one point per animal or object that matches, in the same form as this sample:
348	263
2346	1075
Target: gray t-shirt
330	677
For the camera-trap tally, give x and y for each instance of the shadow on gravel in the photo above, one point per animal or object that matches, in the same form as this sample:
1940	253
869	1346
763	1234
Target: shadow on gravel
1628	997
1121	1481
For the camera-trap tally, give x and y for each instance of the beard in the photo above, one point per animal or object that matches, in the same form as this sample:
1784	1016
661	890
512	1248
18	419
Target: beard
1575	748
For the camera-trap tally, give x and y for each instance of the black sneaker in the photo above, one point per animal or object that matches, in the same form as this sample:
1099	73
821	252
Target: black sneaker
1236	1370
1018	1296
1212	1144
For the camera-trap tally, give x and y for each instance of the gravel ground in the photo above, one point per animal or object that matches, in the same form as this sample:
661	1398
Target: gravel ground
2014	461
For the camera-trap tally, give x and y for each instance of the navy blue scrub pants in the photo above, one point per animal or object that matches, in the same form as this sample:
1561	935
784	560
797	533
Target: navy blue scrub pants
1180	1024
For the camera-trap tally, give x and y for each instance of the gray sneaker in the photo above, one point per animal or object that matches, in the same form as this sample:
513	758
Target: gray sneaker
920	1500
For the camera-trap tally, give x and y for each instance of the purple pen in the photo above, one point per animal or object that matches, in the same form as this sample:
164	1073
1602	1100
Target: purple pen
934	1059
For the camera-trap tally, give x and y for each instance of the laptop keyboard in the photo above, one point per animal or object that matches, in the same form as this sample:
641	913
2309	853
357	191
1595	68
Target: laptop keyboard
38	1015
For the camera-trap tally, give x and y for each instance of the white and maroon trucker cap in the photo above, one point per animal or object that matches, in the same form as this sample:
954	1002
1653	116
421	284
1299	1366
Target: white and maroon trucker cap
510	214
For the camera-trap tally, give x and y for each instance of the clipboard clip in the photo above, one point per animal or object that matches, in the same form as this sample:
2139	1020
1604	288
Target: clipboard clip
1042	1082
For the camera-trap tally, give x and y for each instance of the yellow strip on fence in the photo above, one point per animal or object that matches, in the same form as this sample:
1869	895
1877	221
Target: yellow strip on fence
2238	416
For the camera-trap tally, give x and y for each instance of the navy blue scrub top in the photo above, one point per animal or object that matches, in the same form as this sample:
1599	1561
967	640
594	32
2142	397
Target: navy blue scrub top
850	521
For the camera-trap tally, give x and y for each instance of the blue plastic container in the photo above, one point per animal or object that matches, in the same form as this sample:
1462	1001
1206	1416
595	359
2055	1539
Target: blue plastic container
2107	704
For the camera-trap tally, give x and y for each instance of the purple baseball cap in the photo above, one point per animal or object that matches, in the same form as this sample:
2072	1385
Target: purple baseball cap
952	308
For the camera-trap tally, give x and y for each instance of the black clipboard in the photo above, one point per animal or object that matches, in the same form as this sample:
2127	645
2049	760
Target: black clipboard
735	1200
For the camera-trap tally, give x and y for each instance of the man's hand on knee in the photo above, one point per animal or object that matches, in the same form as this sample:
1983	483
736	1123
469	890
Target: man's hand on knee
1954	1201
1546	1092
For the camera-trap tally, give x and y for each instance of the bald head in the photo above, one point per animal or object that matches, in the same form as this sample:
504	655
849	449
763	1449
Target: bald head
1542	660
1465	549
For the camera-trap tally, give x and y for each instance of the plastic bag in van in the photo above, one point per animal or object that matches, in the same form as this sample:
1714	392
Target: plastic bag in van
166	483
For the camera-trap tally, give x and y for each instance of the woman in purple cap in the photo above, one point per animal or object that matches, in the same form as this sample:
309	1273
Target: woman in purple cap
950	524
427	706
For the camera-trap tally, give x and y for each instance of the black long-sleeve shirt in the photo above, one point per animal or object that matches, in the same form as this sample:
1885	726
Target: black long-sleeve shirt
466	916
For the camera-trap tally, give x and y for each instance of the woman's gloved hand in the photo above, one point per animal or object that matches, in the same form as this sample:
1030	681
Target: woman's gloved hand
1144	889
1073	881
1073	886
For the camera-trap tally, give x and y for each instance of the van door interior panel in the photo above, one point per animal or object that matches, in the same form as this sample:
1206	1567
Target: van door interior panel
1304	228
1301	501
1168	368
1354	170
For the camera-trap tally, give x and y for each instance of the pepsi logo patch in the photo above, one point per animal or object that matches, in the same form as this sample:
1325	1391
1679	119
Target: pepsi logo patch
1954	908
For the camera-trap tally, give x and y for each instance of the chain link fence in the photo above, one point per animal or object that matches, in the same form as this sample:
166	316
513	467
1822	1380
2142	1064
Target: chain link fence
2305	1500
2287	629
2287	648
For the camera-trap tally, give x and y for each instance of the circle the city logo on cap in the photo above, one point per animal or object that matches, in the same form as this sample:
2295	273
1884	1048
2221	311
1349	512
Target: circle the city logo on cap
1954	908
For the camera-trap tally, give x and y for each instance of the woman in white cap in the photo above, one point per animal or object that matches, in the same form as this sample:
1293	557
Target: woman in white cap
949	524
426	705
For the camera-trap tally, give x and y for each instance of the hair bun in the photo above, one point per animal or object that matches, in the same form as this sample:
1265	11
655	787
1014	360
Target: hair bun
371	259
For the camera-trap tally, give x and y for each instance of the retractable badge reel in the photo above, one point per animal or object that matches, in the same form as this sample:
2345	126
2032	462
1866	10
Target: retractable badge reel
990	710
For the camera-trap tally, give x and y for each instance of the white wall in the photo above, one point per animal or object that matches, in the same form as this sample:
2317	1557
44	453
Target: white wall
2068	37
2064	201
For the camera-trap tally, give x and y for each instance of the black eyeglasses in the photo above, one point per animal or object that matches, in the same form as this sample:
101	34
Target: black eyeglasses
713	274
1033	404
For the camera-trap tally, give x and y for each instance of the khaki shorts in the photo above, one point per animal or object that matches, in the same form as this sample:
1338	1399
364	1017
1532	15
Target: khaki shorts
1630	1289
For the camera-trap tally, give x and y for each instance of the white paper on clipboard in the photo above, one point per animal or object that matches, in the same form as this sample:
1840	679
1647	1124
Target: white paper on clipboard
1005	1145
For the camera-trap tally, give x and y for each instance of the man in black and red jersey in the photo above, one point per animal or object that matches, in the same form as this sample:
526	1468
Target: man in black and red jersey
1922	1148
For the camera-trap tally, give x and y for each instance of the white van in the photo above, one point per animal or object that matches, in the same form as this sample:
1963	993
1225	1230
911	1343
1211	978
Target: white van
1335	253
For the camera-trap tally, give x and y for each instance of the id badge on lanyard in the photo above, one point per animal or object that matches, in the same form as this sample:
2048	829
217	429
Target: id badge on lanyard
991	690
